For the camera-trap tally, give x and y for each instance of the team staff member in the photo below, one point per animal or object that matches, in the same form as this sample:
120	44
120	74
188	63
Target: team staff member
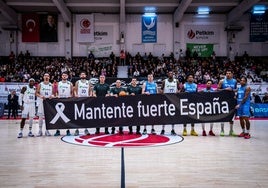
208	89
44	91
12	104
101	89
189	87
228	84
243	107
82	89
116	92
134	89
170	85
64	90
27	105
149	88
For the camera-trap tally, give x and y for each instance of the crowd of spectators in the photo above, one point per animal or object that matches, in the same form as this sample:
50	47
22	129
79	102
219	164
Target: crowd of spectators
23	67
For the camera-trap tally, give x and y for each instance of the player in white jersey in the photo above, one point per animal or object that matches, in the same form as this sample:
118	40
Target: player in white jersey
64	90
170	85
27	105
44	91
82	89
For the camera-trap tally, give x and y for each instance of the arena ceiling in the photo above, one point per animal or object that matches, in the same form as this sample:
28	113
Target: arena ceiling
233	9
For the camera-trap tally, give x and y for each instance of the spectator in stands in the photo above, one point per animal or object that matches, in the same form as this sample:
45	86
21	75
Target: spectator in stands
12	57
188	53
257	98
27	54
91	56
13	104
112	57
265	98
136	73
2	77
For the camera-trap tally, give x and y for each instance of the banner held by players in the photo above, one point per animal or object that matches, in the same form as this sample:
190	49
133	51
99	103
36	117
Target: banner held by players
157	109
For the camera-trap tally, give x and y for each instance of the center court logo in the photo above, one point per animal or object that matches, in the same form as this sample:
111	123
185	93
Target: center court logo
116	140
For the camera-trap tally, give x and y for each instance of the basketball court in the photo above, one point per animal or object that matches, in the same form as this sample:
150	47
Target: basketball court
192	162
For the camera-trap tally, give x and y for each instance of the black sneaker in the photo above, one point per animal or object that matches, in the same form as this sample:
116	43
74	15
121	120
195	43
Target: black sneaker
113	131
162	132
106	132
153	131
144	131
97	132
173	132
130	132
138	133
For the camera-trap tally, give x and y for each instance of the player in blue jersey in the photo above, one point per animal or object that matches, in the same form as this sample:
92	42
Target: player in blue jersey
189	87
228	84
208	89
149	88
243	107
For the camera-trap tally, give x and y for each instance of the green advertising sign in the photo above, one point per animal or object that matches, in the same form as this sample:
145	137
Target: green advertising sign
203	50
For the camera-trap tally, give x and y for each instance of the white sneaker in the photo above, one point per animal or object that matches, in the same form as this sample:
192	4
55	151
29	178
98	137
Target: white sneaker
30	134
40	133
76	133
20	135
47	133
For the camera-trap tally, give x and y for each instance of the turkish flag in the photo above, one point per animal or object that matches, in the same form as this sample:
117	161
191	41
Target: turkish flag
30	28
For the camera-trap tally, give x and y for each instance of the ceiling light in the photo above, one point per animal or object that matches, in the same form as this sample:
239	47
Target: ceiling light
259	9
203	10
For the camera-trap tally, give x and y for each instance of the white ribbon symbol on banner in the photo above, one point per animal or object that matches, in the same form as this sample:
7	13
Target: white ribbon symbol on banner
59	108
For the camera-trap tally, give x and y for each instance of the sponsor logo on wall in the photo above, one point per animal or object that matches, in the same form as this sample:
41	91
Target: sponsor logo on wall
85	28
202	34
149	28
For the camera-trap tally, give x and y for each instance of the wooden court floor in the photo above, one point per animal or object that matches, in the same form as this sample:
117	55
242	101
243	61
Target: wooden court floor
195	162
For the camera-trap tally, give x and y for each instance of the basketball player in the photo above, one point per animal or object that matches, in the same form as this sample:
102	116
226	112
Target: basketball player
243	107
189	87
228	84
64	90
149	88
44	91
101	89
134	89
27	105
208	89
115	92
170	85
82	89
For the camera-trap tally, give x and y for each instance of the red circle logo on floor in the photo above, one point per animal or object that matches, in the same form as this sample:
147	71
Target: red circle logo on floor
125	140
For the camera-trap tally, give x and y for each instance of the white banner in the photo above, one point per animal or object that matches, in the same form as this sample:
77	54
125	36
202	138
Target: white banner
104	34
101	50
84	28
202	34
